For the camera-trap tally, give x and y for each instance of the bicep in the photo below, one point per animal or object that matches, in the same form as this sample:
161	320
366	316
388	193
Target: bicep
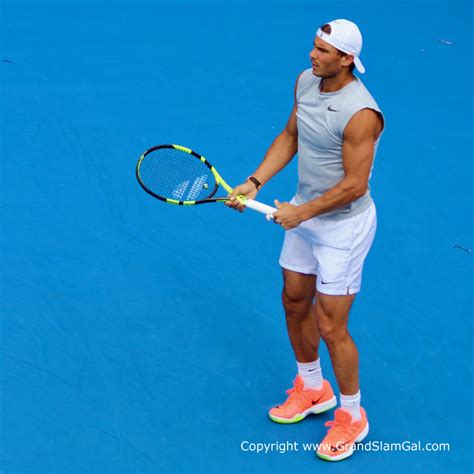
358	146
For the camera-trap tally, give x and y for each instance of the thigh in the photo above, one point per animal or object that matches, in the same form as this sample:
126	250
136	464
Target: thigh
335	308
298	286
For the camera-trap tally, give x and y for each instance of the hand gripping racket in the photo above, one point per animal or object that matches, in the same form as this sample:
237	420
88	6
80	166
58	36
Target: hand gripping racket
177	175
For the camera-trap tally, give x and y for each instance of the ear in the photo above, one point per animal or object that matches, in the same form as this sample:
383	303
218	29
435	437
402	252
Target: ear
347	60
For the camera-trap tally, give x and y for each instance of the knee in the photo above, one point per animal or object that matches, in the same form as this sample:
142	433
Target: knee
330	330
295	301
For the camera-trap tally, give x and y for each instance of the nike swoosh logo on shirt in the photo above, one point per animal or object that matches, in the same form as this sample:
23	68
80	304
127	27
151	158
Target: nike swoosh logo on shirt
332	110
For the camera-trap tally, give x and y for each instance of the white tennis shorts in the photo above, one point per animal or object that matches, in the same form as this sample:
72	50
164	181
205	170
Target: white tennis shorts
334	251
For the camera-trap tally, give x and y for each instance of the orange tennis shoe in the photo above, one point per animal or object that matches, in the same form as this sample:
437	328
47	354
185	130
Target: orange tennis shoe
343	433
302	402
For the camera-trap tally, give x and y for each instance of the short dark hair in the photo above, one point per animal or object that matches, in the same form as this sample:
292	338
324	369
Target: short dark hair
327	29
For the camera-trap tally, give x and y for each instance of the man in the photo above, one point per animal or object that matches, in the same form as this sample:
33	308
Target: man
330	224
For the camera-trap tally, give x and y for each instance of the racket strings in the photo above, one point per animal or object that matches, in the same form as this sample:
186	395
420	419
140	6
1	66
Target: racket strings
175	174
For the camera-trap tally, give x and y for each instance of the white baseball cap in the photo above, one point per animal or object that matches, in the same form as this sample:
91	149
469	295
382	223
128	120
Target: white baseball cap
345	36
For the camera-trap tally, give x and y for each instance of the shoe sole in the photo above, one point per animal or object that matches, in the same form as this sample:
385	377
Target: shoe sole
314	410
347	453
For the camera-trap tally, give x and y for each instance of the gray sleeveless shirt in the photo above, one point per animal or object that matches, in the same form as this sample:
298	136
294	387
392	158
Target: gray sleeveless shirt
321	120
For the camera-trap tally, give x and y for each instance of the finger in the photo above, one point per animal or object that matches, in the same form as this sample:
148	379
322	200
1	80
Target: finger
236	205
277	203
234	193
281	205
233	204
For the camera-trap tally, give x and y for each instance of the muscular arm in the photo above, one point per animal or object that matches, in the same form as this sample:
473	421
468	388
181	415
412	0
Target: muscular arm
357	155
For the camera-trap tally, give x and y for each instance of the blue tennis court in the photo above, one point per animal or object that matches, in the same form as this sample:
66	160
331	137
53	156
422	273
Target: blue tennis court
145	338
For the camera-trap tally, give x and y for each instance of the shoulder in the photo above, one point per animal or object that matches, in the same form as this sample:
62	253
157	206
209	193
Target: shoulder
361	107
362	96
305	73
305	80
365	123
305	76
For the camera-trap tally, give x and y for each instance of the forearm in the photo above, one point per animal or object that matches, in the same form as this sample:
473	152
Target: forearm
280	153
343	193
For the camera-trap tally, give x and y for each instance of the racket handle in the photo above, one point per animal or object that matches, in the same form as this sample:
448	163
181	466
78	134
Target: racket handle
259	207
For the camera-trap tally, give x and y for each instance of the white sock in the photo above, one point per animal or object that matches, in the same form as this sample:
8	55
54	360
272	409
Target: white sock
311	374
351	403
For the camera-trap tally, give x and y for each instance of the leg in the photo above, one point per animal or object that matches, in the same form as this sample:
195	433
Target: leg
342	272
298	296
351	424
332	317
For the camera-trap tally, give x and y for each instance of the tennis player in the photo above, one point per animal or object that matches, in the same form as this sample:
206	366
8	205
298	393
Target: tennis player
330	223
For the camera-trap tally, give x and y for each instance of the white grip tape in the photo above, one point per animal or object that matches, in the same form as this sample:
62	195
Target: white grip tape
259	207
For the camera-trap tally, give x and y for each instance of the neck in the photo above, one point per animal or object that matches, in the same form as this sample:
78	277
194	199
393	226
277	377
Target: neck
333	84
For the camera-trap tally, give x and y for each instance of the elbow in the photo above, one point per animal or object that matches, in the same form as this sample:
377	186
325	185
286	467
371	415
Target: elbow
289	142
355	190
360	191
291	137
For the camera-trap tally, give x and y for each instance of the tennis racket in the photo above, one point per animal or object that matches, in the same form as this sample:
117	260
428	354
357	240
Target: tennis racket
177	175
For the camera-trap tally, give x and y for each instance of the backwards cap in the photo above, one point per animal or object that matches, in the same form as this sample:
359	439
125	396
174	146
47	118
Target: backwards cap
345	36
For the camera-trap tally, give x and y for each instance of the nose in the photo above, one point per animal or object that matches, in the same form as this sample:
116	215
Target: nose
312	54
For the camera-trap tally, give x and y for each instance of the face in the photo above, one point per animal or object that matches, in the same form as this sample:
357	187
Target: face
326	59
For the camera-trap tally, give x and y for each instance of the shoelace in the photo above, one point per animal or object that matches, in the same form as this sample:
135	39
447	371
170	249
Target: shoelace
338	428
295	395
